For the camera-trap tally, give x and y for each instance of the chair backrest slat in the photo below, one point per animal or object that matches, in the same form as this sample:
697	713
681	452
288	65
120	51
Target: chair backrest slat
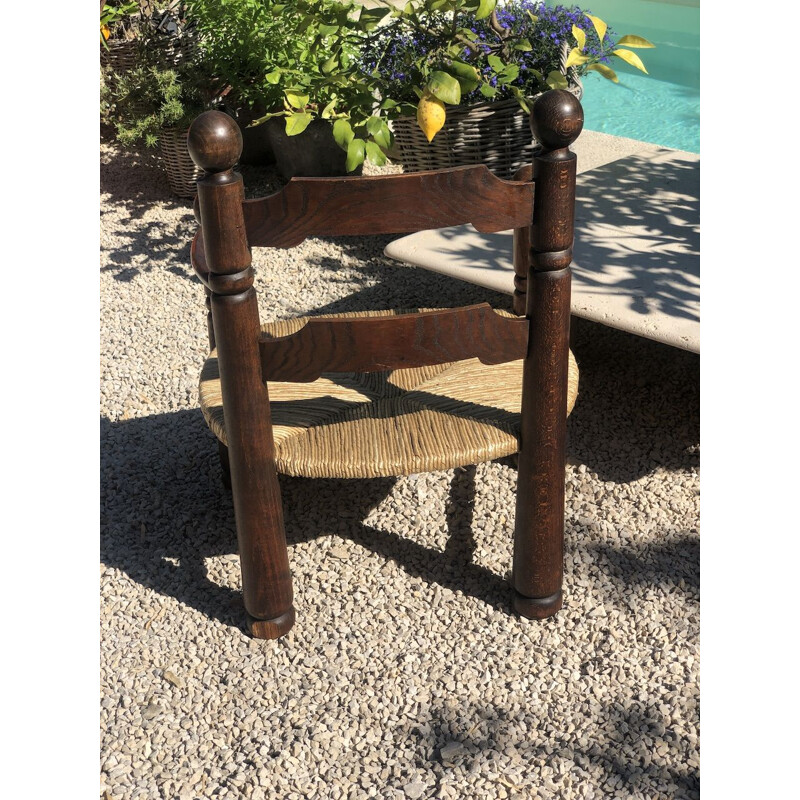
387	204
378	343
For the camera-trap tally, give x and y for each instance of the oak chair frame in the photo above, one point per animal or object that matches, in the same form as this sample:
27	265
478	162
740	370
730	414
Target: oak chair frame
538	205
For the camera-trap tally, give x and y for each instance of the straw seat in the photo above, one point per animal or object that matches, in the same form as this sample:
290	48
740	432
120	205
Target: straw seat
371	425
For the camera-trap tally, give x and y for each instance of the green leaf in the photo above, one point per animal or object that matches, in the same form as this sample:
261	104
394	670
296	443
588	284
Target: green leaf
373	125
330	65
273	77
383	138
576	57
631	58
634	41
444	87
328	30
389	103
510	73
296	99
375	154
343	133
485	8
356	151
370	17
599	26
297	123
496	64
580	37
468	77
605	71
328	110
521	99
524	45
463	70
556	80
488	91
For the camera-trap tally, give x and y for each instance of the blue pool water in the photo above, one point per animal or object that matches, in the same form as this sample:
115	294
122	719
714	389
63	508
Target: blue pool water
662	107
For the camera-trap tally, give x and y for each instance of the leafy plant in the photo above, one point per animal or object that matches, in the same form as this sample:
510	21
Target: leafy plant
147	99
466	51
299	61
359	68
114	14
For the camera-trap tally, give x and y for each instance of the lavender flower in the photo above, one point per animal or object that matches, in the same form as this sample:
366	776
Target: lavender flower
399	56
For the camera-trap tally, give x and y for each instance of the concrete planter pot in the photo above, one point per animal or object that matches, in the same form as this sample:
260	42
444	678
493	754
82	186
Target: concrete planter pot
257	144
312	153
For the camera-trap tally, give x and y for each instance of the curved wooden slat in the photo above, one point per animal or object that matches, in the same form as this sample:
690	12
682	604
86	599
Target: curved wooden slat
387	204
375	344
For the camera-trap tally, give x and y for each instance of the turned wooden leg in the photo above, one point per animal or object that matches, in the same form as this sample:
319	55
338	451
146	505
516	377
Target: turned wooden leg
556	119
539	531
215	144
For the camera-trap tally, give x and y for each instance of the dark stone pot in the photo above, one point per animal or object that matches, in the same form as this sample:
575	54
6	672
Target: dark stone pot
257	145
312	153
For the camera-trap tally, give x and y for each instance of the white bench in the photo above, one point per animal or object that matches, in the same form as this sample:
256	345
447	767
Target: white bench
637	242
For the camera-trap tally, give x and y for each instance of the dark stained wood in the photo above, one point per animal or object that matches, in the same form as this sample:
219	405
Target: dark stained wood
215	145
521	250
198	257
374	344
539	532
543	222
522	263
556	119
387	204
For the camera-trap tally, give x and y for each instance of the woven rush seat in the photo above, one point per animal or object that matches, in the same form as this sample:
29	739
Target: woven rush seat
380	424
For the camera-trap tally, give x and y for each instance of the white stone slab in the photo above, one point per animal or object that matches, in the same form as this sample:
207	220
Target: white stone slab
636	256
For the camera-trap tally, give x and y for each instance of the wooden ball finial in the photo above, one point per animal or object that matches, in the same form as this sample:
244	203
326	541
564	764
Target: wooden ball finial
215	141
557	119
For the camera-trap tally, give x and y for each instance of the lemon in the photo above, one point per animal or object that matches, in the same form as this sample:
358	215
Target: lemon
430	115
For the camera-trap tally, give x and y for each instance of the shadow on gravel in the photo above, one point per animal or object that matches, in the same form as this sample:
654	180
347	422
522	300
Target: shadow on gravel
164	511
676	558
611	738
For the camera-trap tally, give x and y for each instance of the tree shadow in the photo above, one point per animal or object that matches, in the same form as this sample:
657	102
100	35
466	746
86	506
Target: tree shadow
132	185
675	558
638	406
617	745
164	511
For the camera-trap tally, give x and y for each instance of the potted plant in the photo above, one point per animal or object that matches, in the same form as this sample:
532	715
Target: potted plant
294	78
155	106
128	27
459	77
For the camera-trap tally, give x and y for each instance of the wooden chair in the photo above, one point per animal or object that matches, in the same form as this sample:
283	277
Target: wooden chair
391	393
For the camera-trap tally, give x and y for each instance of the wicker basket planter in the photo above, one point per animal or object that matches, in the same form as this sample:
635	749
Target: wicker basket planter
497	134
182	174
123	54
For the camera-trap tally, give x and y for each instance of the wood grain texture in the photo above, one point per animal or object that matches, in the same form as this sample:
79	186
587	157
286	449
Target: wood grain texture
224	262
539	531
383	343
522	263
387	204
556	120
197	254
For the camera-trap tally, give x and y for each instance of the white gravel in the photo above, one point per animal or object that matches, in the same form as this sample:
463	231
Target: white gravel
406	675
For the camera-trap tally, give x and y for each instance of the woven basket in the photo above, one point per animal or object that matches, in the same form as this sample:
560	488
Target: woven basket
182	173
496	134
123	54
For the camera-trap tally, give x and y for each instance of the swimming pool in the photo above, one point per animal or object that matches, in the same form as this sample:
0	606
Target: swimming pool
662	107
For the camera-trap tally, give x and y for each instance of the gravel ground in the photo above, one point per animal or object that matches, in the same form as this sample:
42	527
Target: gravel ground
406	675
